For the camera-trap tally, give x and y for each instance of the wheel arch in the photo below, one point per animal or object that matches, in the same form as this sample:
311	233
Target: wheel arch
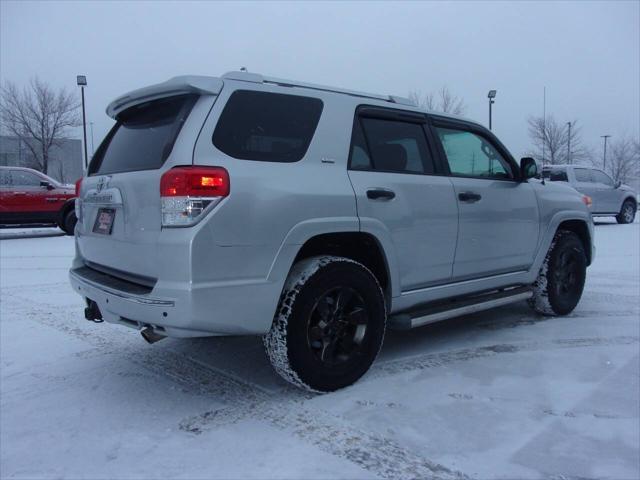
581	229
632	198
576	221
362	247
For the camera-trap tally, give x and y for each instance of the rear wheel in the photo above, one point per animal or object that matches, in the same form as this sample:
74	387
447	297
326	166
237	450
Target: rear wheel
69	222
560	282
627	212
329	325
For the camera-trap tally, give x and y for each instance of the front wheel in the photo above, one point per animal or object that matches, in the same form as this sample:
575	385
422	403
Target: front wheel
560	283
329	325
627	212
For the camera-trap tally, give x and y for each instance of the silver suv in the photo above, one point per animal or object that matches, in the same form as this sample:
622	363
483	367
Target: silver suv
608	198
316	217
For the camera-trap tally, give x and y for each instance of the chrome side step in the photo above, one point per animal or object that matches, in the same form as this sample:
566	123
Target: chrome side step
456	308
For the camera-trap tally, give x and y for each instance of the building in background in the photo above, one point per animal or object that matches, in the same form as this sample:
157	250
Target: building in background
65	161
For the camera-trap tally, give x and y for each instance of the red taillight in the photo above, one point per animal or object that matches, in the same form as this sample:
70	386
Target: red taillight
195	182
188	193
586	199
78	185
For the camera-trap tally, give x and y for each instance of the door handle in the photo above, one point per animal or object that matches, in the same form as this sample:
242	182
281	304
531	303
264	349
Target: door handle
380	194
19	193
469	197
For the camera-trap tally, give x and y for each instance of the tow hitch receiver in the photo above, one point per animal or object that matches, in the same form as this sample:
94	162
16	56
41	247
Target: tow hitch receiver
92	312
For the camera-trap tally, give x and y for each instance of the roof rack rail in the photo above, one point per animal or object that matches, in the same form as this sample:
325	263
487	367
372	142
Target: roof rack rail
257	78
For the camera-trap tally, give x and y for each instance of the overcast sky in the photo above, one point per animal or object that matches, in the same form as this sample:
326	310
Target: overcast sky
587	54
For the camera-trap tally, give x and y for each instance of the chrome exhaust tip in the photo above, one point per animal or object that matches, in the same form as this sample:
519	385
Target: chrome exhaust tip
151	336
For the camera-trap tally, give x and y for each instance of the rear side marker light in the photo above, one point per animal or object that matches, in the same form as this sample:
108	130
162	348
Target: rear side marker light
187	193
586	199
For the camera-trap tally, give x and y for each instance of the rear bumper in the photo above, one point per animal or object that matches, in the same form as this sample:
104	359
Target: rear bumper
183	310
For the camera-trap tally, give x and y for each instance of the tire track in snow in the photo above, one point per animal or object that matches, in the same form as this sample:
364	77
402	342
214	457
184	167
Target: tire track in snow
188	373
243	400
432	360
374	453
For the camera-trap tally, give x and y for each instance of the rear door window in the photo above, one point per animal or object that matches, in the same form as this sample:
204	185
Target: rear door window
143	136
583	175
269	127
5	178
394	146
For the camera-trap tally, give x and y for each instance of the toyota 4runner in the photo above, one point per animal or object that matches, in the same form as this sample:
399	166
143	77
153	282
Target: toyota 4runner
316	217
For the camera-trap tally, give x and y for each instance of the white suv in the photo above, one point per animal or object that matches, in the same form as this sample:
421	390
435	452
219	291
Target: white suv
609	198
316	217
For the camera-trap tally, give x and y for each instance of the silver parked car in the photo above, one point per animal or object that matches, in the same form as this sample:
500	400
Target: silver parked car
316	217
609	198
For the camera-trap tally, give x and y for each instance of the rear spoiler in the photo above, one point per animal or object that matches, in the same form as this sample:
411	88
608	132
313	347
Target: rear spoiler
174	86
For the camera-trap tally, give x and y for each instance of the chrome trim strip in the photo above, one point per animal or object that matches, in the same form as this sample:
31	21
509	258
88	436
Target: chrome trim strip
124	295
464	282
476	307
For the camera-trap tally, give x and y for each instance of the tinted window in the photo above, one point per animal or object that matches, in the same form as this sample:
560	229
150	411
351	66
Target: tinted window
25	179
360	159
269	127
583	175
601	177
5	178
555	175
397	146
143	137
471	155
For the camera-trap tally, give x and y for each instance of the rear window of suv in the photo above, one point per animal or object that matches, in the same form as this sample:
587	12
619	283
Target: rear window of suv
143	136
269	127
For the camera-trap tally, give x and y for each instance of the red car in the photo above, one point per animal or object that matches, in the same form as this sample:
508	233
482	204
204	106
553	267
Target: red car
28	197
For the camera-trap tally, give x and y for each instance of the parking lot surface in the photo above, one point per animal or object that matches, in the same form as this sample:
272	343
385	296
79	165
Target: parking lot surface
499	394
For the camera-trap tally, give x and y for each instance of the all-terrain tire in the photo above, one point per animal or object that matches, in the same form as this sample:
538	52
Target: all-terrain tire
627	212
560	283
291	347
69	222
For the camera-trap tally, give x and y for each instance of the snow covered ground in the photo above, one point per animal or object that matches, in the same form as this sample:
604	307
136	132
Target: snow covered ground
501	394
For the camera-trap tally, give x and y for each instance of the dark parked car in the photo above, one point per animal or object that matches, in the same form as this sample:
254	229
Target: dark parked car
28	197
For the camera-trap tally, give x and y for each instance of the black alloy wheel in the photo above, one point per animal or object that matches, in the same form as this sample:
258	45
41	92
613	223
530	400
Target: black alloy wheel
337	326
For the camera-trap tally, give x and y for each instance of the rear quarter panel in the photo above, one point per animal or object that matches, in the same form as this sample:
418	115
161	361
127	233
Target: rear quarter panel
273	206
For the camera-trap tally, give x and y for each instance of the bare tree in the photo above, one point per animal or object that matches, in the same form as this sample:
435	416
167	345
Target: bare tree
442	101
38	115
623	162
555	143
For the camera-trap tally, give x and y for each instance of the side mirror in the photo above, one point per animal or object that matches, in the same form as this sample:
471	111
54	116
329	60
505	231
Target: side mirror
528	168
617	184
46	184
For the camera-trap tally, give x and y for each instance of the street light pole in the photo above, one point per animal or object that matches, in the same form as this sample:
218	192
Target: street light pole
82	82
491	95
92	149
604	155
569	143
